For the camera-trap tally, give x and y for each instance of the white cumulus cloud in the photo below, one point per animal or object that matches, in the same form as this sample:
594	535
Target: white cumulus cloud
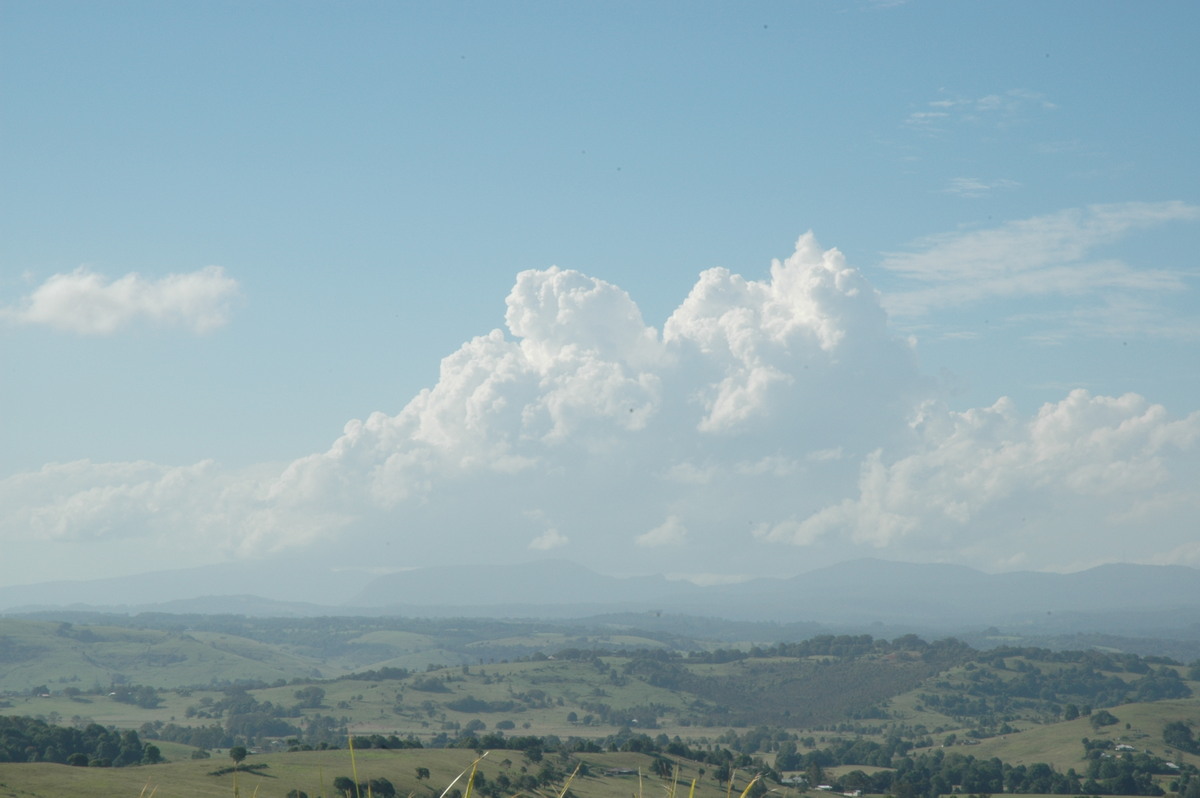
781	410
88	303
1085	479
672	532
550	539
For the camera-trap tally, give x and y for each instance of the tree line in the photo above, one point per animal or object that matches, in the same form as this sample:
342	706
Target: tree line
25	739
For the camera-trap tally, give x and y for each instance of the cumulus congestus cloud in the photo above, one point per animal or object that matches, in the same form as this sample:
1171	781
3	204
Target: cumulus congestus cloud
776	421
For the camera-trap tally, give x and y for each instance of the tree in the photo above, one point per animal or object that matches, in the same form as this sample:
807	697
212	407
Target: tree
310	697
422	774
1193	788
237	754
1178	734
345	786
381	787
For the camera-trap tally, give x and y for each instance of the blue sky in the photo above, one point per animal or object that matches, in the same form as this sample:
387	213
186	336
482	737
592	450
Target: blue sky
228	230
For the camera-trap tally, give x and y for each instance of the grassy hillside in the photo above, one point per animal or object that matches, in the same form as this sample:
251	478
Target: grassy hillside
1059	743
36	653
177	651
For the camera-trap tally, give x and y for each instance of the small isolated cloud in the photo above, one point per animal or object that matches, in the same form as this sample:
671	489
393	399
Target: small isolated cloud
671	532
88	303
1041	256
974	188
550	539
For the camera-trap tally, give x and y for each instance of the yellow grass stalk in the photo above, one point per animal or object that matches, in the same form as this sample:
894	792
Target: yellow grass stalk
567	784
471	769
753	781
353	763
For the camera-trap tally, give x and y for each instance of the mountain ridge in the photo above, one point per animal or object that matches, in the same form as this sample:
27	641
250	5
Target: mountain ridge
856	592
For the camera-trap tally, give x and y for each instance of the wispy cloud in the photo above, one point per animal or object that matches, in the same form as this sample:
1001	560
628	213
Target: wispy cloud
1000	109
973	187
1041	256
88	303
1117	316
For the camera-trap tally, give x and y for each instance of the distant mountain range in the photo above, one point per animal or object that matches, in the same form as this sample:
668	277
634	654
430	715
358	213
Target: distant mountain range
1144	600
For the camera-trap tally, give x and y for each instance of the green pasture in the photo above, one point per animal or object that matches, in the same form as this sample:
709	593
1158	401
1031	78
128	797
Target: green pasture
314	772
1059	743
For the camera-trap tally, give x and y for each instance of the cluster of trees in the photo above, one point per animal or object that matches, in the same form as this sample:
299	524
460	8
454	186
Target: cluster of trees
1117	662
138	695
470	703
929	773
350	789
247	718
644	716
379	675
937	773
25	739
1178	734
391	742
1080	679
212	736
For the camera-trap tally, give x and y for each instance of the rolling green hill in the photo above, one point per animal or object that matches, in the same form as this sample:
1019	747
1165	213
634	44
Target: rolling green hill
876	712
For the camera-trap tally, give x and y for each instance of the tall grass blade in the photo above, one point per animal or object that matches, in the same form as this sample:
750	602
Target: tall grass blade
471	770
354	766
753	781
567	785
471	779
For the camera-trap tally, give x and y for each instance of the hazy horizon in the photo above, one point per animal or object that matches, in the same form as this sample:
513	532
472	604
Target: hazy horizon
695	290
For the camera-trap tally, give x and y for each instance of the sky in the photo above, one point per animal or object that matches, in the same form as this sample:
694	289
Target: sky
703	289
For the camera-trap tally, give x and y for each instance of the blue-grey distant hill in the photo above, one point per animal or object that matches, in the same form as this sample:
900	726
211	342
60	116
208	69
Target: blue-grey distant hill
1119	599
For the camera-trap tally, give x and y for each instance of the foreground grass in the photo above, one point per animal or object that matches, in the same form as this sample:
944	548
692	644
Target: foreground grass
314	772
